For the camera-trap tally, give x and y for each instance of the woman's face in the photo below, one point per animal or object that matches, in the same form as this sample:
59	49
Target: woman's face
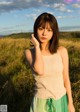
45	33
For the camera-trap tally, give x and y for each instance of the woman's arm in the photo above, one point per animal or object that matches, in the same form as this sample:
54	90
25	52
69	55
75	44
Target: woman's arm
37	62
66	78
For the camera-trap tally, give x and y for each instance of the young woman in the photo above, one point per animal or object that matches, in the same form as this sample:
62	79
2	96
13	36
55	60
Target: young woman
50	66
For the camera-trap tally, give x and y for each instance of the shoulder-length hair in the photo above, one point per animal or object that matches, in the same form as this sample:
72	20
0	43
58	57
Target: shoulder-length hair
41	22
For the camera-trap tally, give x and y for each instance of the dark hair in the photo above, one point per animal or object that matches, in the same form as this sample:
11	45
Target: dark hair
41	21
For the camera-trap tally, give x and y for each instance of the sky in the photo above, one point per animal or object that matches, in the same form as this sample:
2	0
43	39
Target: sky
19	15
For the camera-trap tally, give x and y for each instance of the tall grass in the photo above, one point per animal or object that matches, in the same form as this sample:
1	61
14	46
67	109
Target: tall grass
16	80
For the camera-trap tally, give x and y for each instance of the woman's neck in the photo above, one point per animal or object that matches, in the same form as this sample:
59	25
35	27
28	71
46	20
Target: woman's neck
45	48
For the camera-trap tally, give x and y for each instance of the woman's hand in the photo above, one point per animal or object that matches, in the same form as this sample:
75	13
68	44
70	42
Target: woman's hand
71	107
34	41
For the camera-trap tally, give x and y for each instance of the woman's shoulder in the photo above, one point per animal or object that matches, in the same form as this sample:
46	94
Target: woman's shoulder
63	51
29	53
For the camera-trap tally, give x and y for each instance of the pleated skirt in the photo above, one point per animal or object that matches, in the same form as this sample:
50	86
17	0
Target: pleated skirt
49	105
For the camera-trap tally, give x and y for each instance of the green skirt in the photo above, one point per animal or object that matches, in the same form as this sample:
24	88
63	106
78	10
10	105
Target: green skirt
49	105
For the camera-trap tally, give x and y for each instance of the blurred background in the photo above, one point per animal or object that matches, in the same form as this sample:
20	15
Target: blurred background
17	85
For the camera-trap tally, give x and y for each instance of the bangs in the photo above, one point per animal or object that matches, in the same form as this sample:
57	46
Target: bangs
45	24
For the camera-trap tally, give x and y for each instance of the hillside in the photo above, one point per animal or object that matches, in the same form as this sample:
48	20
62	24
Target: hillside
75	34
18	35
16	81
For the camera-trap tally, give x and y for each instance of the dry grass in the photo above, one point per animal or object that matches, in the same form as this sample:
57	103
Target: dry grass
16	81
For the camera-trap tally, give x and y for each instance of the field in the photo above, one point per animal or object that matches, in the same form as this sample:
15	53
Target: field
16	81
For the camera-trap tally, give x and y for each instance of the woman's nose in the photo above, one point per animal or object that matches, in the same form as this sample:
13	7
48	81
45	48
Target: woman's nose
44	32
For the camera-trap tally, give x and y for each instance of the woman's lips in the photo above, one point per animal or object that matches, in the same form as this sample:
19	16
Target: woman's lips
43	38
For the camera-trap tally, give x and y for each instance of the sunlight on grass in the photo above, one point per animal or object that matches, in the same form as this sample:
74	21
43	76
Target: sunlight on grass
16	81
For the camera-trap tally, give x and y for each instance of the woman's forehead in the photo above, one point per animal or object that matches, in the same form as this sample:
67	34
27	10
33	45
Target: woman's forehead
46	25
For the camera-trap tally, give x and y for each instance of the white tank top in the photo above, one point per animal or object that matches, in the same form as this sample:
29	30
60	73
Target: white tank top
51	84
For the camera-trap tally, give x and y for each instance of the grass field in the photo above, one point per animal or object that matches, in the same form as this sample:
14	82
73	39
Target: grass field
16	81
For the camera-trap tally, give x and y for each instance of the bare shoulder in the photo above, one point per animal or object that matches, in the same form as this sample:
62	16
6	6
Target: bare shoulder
63	51
29	54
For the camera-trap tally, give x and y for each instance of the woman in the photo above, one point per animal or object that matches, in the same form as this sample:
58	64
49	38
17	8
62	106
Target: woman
49	63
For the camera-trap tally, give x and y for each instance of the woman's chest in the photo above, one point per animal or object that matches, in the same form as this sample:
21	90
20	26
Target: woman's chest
52	65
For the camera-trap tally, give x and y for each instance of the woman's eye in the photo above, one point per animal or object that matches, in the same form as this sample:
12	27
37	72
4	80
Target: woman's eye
49	30
40	28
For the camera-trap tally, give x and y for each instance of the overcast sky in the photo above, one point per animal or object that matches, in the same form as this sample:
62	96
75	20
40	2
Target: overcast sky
19	15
